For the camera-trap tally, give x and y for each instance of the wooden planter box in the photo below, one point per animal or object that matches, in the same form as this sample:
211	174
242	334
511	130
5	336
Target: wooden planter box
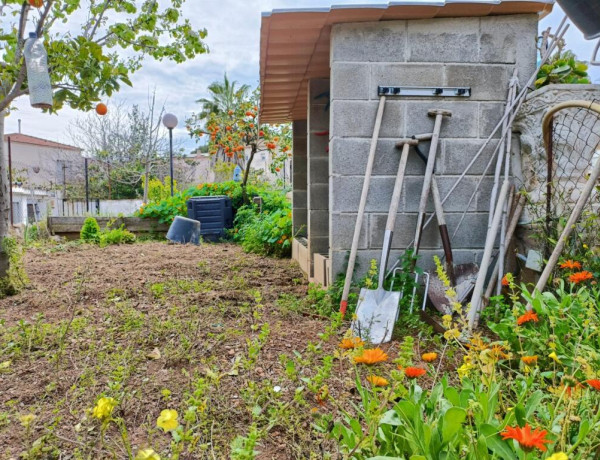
70	227
321	268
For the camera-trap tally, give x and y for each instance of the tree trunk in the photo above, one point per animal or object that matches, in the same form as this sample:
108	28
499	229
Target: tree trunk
5	204
247	174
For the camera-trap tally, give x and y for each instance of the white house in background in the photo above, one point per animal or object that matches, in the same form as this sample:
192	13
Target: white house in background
42	170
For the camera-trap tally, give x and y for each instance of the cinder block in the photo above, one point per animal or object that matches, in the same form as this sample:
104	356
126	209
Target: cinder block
318	244
484	193
346	193
302	256
299	199
443	40
318	223
488	82
317	86
349	157
369	42
319	171
510	39
407	74
460	196
490	113
404	232
463	123
357	119
320	269
318	196
341	231
471	233
458	153
411	193
318	146
318	118
351	81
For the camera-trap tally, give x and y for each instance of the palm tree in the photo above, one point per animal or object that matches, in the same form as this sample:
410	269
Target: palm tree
224	97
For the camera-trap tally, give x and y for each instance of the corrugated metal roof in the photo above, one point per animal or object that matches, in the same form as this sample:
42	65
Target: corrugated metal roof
294	43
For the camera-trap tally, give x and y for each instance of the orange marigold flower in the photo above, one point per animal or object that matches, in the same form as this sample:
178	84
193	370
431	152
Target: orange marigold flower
353	342
594	383
377	381
505	281
373	356
580	277
529	360
571	265
429	357
527	317
527	438
498	352
414	372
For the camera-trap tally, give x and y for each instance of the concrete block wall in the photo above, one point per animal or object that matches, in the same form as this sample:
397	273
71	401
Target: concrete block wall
299	179
318	167
477	52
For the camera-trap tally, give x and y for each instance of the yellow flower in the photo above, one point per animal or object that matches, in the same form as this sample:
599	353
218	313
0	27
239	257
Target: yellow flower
168	420
452	334
147	454
554	357
353	342
447	321
451	293
377	381
558	456
26	420
464	370
104	408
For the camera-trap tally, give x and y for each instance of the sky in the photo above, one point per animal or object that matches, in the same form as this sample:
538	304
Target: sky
233	38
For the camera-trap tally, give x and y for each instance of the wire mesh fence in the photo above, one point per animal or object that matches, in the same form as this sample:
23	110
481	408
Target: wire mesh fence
573	147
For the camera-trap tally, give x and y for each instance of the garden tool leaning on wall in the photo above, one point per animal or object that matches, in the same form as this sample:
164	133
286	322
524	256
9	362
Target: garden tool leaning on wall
377	309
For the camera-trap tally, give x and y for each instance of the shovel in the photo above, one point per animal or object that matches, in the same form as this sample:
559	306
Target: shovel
462	277
377	309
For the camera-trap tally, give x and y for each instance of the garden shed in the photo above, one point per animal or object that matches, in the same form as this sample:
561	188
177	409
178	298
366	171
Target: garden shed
321	68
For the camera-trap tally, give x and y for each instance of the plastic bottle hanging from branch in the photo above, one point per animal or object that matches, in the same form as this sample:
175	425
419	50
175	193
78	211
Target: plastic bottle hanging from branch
38	78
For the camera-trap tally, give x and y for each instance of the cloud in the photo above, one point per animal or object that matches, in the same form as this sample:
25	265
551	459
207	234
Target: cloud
233	38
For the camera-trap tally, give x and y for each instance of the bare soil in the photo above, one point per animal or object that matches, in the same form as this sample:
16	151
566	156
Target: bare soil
90	325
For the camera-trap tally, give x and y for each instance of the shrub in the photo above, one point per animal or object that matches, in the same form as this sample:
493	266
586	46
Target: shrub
16	279
116	236
90	232
563	68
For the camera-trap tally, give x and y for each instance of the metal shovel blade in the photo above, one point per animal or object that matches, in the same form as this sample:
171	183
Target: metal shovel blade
466	275
376	314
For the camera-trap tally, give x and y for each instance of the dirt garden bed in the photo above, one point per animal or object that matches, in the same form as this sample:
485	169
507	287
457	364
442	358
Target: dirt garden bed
212	332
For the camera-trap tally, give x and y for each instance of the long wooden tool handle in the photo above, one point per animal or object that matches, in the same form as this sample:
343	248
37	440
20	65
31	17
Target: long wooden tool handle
487	255
427	181
361	207
391	219
569	227
439	212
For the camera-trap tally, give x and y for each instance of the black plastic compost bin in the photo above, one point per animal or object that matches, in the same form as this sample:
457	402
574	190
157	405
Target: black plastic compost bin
214	213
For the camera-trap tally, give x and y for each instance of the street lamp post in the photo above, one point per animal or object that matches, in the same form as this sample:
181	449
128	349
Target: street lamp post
170	121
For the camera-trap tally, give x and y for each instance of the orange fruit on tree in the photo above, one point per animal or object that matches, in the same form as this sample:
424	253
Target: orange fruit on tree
101	109
277	169
36	3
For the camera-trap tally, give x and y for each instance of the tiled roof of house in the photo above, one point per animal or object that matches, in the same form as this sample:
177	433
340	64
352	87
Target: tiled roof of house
32	140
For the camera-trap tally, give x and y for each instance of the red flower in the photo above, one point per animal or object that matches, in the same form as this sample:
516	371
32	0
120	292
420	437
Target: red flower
571	264
526	438
414	372
527	317
594	383
580	277
505	281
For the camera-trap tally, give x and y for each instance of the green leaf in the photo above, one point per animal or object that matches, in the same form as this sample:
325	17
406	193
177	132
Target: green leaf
496	444
390	418
452	422
520	414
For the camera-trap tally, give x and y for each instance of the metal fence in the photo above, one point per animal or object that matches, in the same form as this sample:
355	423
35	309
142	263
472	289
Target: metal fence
573	148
